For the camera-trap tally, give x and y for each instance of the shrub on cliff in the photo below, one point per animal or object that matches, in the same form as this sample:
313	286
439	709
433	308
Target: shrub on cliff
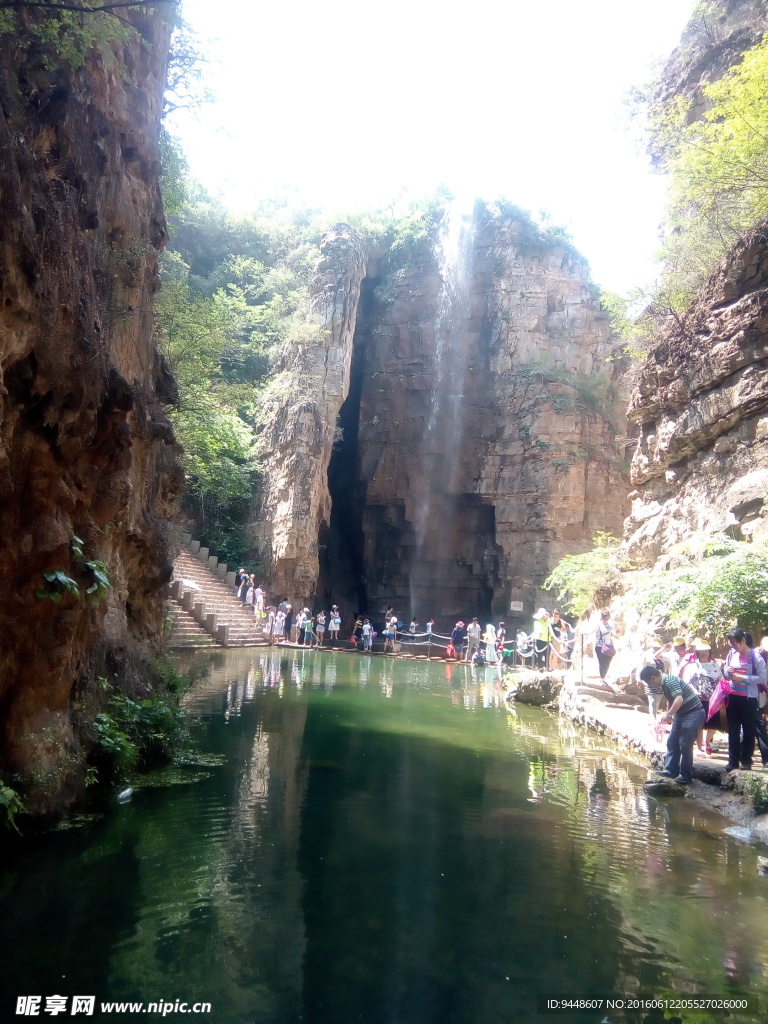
719	175
580	580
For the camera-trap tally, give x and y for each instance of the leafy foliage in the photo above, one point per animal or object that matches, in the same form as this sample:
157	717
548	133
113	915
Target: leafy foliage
719	583
64	31
131	734
59	584
719	174
231	314
11	804
578	579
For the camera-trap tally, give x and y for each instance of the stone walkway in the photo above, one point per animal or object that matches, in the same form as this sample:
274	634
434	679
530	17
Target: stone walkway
629	728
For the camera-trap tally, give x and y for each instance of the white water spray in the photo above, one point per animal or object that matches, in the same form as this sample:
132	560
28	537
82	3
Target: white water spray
454	250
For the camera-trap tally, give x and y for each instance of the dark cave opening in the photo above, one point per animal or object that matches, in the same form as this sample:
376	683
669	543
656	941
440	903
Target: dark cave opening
341	554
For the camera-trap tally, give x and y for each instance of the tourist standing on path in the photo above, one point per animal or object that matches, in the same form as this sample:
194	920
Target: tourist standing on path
458	636
309	632
390	634
334	623
259	602
703	674
744	669
761	731
561	630
287	623
501	636
367	632
489	639
245	583
687	717
301	620
542	638
279	625
320	628
473	639
604	647
269	628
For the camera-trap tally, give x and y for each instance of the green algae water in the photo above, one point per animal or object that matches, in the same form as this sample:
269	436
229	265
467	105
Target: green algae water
368	840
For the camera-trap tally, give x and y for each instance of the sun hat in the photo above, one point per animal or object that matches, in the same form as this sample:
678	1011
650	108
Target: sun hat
701	645
679	641
541	613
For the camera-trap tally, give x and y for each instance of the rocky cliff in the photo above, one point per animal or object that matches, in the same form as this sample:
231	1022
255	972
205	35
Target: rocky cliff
477	439
295	500
85	450
702	406
713	41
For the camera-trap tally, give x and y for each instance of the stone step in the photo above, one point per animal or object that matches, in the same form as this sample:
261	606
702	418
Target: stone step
204	582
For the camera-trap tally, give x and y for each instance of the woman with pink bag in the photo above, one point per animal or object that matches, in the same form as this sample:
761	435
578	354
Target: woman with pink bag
745	670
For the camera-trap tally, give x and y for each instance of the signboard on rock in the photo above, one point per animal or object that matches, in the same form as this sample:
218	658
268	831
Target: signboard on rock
516	607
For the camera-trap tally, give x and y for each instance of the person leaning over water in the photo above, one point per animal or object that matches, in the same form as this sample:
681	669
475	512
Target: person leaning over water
687	717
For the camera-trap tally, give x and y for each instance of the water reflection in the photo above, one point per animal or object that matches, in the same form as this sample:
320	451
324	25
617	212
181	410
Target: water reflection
385	842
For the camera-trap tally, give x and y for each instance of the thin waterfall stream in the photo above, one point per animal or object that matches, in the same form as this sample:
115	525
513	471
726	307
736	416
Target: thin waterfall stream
435	514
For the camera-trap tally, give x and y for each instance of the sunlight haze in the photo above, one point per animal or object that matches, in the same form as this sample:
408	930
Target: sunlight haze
341	107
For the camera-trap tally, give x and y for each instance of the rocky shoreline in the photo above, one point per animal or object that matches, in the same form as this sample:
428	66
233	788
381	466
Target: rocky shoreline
620	717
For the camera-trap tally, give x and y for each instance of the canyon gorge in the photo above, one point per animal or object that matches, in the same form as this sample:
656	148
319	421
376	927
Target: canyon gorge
452	418
455	426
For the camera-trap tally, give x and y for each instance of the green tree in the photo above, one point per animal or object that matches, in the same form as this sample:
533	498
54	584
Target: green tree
579	579
719	174
719	583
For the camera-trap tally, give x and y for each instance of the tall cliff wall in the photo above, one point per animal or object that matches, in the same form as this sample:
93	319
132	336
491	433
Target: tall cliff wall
702	405
475	442
483	450
85	450
299	440
701	399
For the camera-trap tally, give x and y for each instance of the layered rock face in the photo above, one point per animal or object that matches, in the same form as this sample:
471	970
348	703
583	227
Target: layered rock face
85	450
477	445
702	405
295	500
713	41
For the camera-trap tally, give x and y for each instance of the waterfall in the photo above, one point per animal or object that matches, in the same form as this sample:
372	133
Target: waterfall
454	250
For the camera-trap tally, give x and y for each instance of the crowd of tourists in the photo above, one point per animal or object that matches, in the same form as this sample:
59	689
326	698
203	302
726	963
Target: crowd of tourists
686	687
699	690
471	643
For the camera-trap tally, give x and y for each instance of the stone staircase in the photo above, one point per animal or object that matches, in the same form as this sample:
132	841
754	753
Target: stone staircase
204	605
186	631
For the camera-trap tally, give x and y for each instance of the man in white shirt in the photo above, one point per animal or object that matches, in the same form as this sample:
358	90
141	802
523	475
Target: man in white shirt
473	639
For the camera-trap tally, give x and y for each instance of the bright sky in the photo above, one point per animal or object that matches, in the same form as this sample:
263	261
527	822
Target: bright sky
344	104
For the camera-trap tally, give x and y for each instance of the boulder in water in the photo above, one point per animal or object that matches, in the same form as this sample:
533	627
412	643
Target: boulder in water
536	688
664	787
